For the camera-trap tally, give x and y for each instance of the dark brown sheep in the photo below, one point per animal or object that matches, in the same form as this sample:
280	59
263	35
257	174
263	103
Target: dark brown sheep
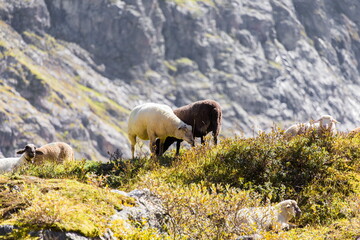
204	116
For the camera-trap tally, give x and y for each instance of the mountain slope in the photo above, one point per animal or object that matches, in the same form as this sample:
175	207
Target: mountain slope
72	70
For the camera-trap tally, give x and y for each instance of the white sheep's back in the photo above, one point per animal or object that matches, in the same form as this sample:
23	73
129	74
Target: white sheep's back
150	116
256	217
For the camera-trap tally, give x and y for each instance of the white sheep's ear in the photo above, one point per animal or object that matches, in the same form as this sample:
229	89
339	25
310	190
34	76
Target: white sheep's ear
39	152
20	151
334	120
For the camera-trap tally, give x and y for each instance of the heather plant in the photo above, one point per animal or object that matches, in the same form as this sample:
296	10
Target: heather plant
317	171
49	169
200	211
204	187
117	172
32	203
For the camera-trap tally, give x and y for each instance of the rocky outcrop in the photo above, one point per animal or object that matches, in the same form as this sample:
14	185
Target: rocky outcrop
149	210
72	70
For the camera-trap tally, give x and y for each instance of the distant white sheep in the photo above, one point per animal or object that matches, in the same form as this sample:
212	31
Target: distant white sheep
55	152
28	155
324	124
297	129
151	120
269	218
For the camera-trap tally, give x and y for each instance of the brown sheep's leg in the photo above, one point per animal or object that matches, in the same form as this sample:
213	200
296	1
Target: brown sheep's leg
177	148
202	140
157	146
161	147
215	139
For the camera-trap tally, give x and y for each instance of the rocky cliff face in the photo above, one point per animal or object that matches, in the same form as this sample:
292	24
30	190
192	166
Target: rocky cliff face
72	70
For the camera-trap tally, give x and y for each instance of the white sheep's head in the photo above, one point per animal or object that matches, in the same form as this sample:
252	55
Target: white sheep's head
30	152
327	122
184	132
289	209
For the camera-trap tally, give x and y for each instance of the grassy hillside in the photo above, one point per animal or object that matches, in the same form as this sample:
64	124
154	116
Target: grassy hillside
204	187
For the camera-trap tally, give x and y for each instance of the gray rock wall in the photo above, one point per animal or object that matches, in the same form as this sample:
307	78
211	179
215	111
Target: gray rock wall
266	62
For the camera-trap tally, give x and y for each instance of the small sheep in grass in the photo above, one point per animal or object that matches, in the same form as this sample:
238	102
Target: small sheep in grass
204	116
28	155
151	120
55	152
324	124
269	218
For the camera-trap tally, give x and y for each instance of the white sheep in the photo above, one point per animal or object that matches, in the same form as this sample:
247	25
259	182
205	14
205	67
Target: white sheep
55	152
28	155
324	124
297	129
151	120
204	116
269	218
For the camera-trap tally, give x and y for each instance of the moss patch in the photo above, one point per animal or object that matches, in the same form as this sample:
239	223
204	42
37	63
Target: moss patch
62	204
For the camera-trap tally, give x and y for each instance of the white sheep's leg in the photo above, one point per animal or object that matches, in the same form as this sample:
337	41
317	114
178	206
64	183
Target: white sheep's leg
285	226
132	139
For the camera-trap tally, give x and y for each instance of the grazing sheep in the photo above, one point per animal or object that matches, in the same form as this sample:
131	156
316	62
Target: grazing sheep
151	120
55	152
204	116
269	218
324	124
28	155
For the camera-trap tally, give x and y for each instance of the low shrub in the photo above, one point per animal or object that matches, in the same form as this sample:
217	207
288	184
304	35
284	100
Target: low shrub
60	204
200	211
204	186
317	171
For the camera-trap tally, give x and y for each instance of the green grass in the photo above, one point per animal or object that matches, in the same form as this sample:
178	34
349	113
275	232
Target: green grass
204	187
61	204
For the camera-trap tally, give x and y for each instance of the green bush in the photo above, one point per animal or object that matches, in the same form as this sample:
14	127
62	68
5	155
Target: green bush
204	186
314	170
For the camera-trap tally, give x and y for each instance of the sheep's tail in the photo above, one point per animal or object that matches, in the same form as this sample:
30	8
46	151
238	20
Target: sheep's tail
217	122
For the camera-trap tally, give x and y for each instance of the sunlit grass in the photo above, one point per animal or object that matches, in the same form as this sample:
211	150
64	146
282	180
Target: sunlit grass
204	187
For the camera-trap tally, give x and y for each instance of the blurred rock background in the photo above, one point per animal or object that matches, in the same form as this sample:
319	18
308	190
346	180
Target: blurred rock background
72	70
